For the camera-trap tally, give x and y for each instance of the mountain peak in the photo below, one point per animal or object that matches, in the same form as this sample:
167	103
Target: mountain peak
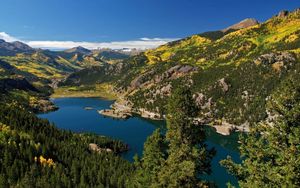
242	24
22	46
12	48
78	49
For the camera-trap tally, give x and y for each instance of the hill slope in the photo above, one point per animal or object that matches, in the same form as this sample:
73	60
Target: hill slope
231	74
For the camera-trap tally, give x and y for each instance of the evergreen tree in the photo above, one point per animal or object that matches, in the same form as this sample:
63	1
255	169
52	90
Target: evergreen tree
3	181
181	157
152	161
188	156
271	151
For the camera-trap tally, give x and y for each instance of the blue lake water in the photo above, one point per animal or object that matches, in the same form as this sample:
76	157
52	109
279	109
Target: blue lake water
134	131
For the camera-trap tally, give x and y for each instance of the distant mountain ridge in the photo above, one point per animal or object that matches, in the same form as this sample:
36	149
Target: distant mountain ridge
79	49
12	48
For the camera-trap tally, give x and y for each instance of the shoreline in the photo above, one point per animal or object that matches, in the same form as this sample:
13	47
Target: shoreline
120	110
67	92
78	96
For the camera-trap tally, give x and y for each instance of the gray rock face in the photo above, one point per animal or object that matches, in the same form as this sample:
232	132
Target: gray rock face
140	80
175	72
172	73
166	90
199	99
243	24
224	86
202	101
119	67
95	148
272	58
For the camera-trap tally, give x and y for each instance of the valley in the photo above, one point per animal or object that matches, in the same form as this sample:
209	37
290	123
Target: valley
216	107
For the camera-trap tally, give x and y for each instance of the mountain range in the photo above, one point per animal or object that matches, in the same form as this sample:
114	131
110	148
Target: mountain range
232	72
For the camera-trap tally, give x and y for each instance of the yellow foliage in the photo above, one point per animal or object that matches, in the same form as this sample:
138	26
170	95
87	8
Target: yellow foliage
201	60
45	162
291	38
4	128
152	59
195	40
166	56
224	55
277	66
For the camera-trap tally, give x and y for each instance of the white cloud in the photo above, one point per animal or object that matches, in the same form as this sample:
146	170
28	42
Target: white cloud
142	43
7	37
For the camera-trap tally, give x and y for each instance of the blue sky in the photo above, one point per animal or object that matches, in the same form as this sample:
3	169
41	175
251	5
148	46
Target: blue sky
106	21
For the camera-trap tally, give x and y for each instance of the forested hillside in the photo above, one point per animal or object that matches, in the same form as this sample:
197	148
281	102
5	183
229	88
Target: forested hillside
35	153
29	75
231	72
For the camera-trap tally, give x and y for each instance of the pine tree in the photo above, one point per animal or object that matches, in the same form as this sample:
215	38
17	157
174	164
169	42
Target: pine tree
3	181
152	161
271	151
188	156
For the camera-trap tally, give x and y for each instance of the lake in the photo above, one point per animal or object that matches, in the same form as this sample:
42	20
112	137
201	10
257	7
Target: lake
134	131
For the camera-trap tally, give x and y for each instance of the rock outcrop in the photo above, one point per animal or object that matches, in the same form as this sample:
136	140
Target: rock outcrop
43	106
175	72
224	86
276	60
243	24
115	114
150	115
225	128
283	14
271	58
95	148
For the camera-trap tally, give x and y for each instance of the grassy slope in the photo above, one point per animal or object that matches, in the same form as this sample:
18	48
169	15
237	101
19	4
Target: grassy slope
98	90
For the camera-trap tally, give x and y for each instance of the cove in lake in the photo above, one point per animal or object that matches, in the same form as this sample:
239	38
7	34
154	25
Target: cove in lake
134	131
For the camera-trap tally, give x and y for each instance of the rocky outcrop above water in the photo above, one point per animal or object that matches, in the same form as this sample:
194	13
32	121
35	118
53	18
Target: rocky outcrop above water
121	109
225	128
43	106
95	148
150	115
115	114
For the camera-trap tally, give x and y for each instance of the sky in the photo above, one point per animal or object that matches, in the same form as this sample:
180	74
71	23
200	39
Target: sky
124	23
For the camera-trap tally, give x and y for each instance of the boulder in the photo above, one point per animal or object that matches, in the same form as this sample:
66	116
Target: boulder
199	99
224	86
95	148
